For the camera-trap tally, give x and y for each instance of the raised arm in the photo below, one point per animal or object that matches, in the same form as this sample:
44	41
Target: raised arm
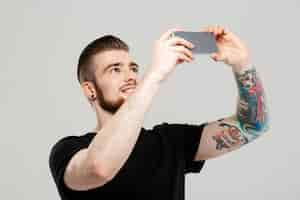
112	145
252	116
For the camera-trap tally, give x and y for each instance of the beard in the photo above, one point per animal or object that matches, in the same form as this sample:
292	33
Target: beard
109	106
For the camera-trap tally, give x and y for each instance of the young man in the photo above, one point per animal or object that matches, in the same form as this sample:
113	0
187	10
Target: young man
120	158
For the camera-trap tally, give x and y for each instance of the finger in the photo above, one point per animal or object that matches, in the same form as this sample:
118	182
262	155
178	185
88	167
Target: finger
220	30
215	30
211	29
166	35
218	56
179	41
214	56
182	49
220	33
207	29
228	35
184	57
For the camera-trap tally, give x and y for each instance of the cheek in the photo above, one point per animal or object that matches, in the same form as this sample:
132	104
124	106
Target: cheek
111	91
108	93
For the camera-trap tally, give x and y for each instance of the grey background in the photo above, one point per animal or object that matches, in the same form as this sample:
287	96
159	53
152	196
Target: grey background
41	100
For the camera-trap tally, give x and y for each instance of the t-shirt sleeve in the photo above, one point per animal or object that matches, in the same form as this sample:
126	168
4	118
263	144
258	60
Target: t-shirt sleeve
186	138
60	154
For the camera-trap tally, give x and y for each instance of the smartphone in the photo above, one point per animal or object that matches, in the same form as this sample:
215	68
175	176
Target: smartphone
204	42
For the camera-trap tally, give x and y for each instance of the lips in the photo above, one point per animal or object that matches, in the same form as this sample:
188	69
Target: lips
127	87
128	90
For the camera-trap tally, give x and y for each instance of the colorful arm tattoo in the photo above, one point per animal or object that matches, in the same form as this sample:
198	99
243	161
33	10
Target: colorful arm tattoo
228	136
252	112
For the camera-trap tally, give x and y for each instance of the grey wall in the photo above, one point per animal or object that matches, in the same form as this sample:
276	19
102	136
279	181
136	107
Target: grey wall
41	100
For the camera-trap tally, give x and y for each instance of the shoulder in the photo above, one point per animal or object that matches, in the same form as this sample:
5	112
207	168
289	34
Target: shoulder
69	144
179	127
71	139
178	131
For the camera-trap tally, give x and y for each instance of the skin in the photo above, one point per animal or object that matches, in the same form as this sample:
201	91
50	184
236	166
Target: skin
251	118
108	97
251	115
229	136
252	110
107	87
120	114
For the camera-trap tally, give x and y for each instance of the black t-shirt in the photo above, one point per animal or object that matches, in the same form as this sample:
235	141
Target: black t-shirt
154	170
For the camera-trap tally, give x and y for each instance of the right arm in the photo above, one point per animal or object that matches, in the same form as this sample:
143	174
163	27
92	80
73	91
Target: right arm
94	166
113	144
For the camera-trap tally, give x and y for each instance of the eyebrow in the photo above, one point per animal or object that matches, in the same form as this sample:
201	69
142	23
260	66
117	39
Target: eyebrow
119	63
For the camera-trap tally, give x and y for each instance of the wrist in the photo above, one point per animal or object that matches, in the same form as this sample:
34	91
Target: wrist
153	78
242	68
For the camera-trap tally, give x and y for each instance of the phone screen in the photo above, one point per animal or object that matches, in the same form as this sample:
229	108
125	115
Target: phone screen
204	42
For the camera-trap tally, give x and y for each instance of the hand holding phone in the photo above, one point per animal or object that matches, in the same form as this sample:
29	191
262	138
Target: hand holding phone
204	42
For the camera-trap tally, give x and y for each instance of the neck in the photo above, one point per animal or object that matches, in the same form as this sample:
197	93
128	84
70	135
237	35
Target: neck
102	118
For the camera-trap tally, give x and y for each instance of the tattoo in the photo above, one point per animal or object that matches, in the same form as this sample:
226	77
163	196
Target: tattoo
229	136
252	111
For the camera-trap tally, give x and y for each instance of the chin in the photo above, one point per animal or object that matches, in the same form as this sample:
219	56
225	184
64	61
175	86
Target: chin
112	106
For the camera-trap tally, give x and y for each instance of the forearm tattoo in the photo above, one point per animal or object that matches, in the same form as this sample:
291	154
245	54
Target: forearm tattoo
252	110
252	113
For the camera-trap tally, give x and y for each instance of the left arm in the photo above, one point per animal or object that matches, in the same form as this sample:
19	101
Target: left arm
251	118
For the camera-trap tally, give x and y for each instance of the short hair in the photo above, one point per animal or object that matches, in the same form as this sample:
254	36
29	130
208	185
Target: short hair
85	68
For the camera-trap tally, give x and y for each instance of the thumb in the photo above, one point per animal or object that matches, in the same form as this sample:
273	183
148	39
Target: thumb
214	56
217	56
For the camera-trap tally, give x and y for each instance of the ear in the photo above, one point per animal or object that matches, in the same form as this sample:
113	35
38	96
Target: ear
89	90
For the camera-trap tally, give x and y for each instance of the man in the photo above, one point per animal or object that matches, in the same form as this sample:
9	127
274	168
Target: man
120	158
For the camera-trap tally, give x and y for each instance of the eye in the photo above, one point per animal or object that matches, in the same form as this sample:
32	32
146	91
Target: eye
116	69
135	69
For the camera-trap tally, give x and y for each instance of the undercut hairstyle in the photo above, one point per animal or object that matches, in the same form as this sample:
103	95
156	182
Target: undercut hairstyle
85	67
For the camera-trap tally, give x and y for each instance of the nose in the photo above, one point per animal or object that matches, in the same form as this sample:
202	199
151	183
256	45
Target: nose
130	76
